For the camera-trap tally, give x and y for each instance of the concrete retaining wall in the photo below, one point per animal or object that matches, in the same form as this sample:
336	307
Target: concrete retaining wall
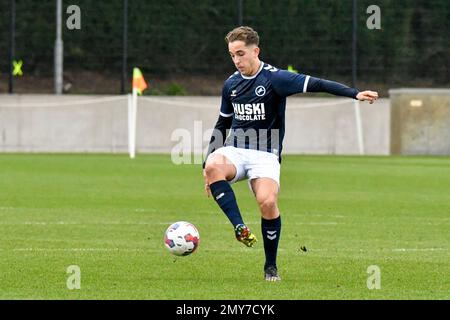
48	123
420	121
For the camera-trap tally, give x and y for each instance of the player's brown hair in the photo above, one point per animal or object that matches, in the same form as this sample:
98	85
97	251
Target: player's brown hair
243	33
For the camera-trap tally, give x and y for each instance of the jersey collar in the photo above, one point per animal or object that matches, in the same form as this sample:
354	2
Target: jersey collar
256	74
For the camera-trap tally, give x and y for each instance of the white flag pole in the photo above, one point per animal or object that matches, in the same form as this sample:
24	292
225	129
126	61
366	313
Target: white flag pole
132	117
359	128
59	50
130	104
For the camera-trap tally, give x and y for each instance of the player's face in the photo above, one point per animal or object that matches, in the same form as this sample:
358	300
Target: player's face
244	57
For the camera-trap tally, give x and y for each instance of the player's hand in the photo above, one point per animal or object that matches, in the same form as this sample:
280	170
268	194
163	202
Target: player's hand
207	189
368	95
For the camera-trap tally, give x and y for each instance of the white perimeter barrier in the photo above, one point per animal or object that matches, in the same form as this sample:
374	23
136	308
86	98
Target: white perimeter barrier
47	123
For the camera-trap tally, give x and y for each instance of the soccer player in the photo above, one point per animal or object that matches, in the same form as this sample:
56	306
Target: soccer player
253	112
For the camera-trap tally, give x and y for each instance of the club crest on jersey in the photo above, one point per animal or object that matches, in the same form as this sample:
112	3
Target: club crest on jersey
260	91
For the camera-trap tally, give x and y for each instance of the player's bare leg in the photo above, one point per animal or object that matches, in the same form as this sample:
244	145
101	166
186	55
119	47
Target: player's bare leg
217	168
266	193
218	171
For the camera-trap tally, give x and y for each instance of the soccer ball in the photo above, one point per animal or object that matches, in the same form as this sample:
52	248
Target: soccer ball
181	238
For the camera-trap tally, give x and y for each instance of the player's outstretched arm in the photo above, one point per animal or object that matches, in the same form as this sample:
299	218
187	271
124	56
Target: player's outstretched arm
339	89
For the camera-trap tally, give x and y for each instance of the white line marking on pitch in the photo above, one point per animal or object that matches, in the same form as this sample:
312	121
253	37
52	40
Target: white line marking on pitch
419	249
237	249
79	249
44	223
379	250
210	249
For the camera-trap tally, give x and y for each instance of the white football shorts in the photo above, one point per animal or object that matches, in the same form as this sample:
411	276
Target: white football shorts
251	164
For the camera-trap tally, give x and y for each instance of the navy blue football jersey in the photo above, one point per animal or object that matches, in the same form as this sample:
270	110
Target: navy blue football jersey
257	105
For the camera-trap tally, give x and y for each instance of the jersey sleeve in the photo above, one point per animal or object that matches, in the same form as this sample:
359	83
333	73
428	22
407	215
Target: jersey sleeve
287	83
226	108
332	87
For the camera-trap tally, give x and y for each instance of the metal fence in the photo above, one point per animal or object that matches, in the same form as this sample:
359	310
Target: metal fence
180	45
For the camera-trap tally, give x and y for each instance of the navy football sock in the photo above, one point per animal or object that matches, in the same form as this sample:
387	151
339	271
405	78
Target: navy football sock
225	198
271	230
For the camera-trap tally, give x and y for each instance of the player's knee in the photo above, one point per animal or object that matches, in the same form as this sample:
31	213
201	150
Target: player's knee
213	170
268	203
217	168
210	169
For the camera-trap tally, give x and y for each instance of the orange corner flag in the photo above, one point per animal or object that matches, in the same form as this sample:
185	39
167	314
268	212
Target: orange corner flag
139	81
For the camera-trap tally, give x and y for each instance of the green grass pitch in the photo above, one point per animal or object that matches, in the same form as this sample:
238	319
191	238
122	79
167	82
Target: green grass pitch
107	214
